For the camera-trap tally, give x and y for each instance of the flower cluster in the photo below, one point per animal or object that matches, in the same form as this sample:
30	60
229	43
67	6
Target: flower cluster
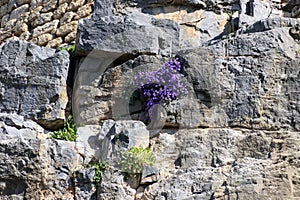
161	86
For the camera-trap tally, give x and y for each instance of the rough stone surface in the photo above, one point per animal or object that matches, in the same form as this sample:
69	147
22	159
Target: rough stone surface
226	163
131	36
237	130
33	82
39	17
88	143
36	169
84	186
225	91
235	135
113	186
16	125
120	136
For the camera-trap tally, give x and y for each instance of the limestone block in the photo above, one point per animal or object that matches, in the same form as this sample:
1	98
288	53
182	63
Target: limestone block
42	40
254	11
46	28
75	4
89	141
16	125
254	167
35	86
67	28
42	19
55	43
37	168
67	18
114	185
18	12
49	5
25	36
60	11
84	11
34	14
84	184
20	28
139	33
120	136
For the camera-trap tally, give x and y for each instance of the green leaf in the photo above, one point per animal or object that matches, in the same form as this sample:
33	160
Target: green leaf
67	133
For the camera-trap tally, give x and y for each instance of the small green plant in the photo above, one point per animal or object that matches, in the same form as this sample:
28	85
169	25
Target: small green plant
67	133
99	169
245	117
69	48
133	160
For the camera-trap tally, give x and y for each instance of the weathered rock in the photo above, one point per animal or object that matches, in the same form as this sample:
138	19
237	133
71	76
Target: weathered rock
135	34
66	28
4	20
291	4
42	39
16	125
83	11
212	163
84	186
42	19
60	11
224	90
88	142
54	43
19	11
240	64
121	136
21	2
46	28
70	37
20	28
113	186
74	5
33	82
150	175
49	5
36	169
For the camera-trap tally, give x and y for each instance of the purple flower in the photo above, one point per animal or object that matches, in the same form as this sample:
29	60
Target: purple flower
161	86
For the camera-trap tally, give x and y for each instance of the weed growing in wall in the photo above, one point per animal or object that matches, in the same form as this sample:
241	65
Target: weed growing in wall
99	169
133	160
67	133
69	48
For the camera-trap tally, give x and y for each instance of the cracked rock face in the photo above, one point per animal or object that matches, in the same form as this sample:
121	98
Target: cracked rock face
234	136
36	168
237	130
33	82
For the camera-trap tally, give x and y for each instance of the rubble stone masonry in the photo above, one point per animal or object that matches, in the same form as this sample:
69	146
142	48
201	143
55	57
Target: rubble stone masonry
48	23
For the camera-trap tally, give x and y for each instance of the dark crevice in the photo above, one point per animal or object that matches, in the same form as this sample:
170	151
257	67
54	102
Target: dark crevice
73	186
72	72
249	8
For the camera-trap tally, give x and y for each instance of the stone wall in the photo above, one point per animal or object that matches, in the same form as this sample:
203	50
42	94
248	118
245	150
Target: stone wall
45	23
236	135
